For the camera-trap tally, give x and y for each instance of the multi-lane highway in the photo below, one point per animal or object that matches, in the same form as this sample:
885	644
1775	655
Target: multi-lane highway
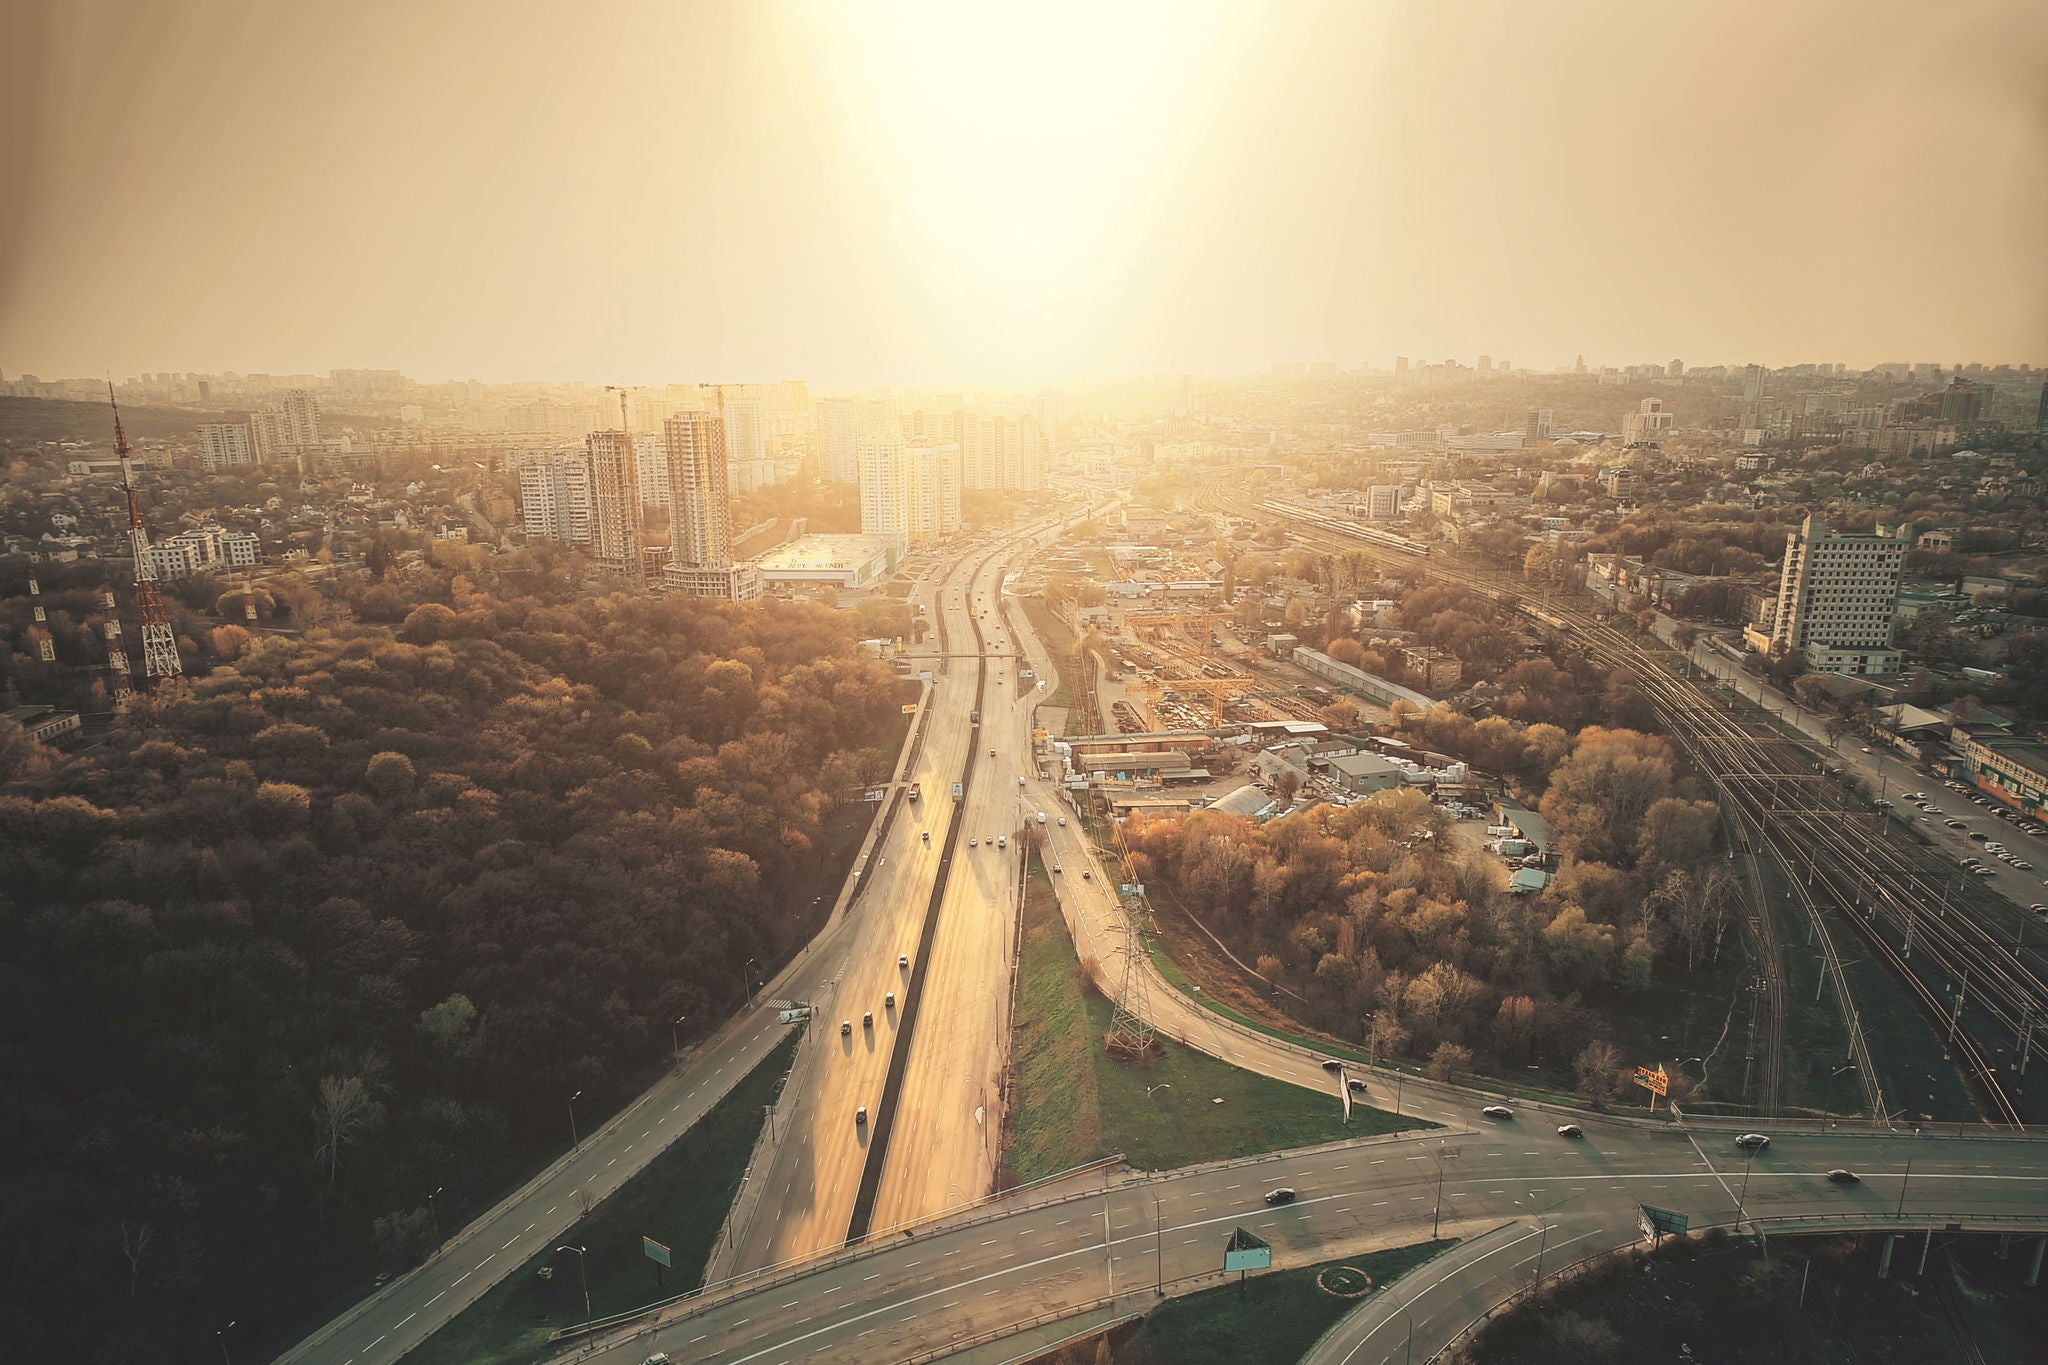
908	1298
846	971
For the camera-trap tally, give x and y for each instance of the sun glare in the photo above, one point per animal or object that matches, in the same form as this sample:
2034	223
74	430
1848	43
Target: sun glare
1012	143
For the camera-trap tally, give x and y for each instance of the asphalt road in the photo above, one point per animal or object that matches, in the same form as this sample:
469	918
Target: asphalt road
957	1282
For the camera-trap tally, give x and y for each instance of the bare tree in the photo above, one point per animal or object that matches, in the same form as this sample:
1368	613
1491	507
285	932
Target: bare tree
342	1116
1598	1066
136	1240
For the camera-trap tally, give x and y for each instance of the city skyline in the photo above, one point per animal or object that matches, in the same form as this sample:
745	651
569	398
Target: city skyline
930	197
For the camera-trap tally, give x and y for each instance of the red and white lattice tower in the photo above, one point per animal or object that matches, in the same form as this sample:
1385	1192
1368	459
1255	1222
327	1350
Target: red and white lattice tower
159	643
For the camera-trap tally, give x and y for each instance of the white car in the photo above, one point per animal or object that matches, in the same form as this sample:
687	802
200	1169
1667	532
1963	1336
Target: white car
1063	822
1498	1111
973	842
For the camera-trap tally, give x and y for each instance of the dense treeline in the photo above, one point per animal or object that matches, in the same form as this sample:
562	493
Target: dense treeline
348	920
1393	933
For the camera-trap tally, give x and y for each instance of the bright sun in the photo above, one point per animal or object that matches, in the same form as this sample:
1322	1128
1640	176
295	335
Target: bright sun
1014	142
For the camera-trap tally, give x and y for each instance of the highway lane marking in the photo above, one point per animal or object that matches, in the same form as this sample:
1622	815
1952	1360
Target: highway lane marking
528	1228
430	1302
508	1242
487	1260
1382	1204
407	1318
792	1303
465	1275
551	1209
876	1276
373	1345
695	1340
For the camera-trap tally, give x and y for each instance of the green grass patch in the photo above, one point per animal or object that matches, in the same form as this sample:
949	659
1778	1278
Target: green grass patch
680	1199
1272	1319
1075	1104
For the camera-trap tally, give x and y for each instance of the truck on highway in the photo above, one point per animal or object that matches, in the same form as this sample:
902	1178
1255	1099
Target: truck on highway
958	791
974	718
916	790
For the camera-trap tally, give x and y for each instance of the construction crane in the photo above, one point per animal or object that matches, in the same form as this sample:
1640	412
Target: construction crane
160	659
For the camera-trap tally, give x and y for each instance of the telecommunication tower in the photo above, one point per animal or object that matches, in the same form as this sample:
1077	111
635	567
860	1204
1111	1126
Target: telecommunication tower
159	643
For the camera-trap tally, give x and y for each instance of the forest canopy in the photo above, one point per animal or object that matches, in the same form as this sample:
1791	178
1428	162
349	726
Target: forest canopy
346	920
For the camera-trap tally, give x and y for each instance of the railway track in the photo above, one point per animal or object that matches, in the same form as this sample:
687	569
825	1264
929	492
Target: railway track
1946	943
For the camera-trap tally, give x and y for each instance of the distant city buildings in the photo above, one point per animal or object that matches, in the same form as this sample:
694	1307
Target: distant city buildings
1000	452
1649	424
839	427
203	549
1383	502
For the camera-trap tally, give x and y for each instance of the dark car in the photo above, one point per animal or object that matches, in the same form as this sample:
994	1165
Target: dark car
1570	1130
1332	1064
1357	1086
1752	1142
1845	1177
1283	1195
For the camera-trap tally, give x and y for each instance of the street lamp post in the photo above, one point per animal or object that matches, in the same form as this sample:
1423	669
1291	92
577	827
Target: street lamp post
1437	1218
675	1037
751	965
1158	1247
1827	1103
222	1337
435	1213
582	1276
575	1142
1902	1187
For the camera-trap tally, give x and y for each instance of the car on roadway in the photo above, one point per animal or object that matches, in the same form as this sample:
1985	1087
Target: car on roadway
889	1000
860	1117
867	1019
1955	824
2038	908
1498	1111
1357	1086
927	836
658	1358
1086	875
1841	1177
973	842
846	1028
1570	1130
1002	841
1332	1064
1057	868
1752	1142
1063	822
991	753
903	960
1283	1195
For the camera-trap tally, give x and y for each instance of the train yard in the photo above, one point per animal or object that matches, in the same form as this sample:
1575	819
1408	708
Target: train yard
1958	949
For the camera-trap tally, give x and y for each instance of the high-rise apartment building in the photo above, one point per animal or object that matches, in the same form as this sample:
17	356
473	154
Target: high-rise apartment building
1383	501
839	439
1837	597
650	453
700	513
1538	427
554	498
746	444
1752	383
301	418
223	445
1005	453
615	505
911	492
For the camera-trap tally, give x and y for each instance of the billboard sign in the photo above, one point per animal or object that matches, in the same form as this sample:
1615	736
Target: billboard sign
1657	1082
656	1252
878	794
1661	1222
1245	1251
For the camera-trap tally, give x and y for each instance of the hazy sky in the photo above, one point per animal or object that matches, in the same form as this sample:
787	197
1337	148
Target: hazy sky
938	192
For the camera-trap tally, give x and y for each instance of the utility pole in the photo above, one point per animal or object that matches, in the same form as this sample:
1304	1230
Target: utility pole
1956	1017
575	1142
1908	1179
1158	1247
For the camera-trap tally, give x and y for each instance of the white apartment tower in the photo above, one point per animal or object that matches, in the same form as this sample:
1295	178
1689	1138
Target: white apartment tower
223	445
911	492
554	498
1837	597
1383	501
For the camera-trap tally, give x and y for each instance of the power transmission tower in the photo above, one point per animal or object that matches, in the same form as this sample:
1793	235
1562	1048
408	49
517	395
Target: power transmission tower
1130	1023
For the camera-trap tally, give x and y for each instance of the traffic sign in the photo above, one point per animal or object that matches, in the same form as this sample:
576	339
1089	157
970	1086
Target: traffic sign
656	1252
878	793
